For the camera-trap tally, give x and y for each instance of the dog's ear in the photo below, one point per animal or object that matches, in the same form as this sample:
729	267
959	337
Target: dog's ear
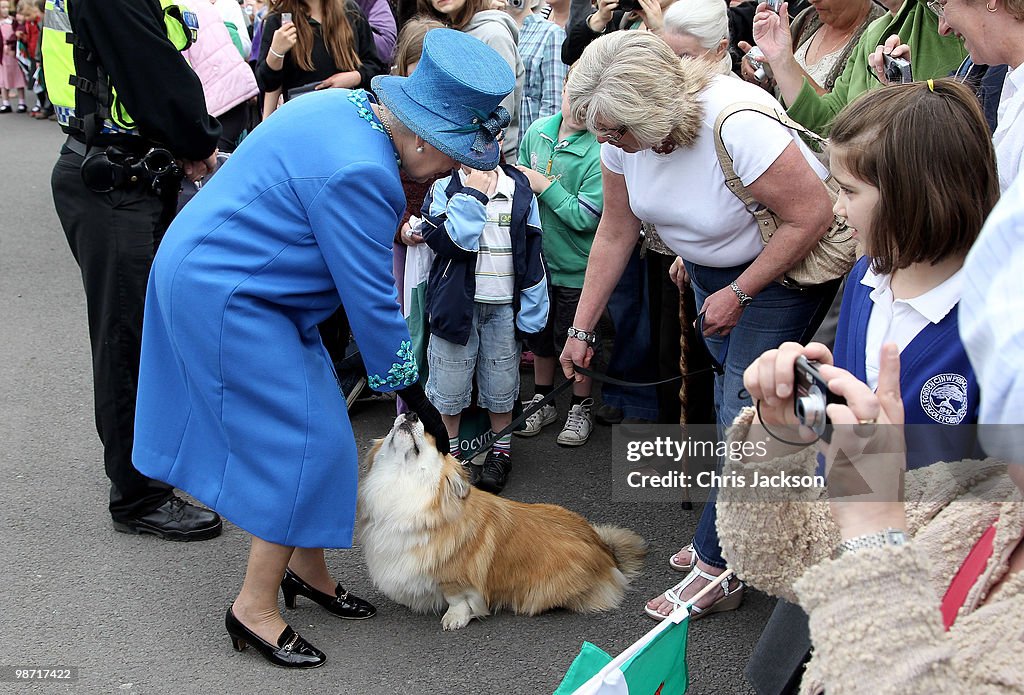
456	478
372	454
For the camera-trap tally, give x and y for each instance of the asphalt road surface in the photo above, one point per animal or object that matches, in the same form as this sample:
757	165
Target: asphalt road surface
136	614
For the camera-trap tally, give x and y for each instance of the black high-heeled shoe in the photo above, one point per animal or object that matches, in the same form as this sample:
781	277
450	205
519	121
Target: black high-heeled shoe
291	651
343	604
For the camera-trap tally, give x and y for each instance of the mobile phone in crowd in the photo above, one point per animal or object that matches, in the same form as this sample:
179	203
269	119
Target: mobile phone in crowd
774	5
285	18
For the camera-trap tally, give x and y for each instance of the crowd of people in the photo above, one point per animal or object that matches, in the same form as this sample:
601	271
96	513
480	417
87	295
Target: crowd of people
739	184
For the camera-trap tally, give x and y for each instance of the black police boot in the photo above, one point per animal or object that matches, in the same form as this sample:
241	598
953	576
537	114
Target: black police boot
174	520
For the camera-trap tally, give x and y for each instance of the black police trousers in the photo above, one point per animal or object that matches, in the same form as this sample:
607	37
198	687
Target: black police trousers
113	237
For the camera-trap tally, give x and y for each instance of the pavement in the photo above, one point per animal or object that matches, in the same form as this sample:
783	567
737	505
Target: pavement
134	614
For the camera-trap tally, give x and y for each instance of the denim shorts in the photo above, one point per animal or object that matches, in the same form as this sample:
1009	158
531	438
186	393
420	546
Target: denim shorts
492	354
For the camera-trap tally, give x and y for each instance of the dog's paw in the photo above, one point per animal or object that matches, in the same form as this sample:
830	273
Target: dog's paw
456	618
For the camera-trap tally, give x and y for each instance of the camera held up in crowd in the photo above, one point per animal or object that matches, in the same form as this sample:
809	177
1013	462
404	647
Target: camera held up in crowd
811	397
755	57
897	70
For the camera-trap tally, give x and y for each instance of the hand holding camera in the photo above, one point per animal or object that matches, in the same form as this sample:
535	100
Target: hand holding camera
757	63
603	17
890	63
771	32
783	389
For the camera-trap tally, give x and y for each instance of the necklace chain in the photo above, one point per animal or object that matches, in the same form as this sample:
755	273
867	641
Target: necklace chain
386	122
387	125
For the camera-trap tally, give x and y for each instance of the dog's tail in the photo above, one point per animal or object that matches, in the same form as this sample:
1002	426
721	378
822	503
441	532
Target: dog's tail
628	548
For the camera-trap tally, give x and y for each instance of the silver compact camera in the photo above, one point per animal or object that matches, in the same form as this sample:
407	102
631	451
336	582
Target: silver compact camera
811	397
755	57
897	70
774	5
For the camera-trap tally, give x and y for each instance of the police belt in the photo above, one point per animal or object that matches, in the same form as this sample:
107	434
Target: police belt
105	169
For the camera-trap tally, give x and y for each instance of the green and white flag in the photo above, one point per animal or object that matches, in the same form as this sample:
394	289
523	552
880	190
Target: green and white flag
653	665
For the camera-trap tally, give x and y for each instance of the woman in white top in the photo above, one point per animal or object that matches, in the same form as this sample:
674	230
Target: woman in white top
655	115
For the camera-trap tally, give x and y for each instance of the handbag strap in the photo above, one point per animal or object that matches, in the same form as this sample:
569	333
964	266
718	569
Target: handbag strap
725	159
967	576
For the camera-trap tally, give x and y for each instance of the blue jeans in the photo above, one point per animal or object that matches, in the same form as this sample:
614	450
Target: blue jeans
632	357
777	315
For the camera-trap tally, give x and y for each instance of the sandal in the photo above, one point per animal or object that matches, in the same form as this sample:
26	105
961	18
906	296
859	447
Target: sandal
681	567
732	589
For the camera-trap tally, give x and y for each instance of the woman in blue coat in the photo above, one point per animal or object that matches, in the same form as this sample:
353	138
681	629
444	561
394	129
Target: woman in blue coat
238	401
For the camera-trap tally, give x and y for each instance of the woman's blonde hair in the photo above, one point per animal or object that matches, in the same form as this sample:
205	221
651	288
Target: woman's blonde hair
633	79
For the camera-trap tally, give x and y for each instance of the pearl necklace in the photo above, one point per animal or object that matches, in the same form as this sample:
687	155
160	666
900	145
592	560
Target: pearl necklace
384	121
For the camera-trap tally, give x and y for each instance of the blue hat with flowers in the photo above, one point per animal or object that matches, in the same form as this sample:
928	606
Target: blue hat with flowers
452	99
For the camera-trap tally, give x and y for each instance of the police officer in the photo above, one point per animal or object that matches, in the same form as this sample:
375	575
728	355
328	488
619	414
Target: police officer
136	121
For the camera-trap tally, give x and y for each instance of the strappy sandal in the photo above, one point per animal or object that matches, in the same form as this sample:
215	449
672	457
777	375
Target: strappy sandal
732	589
681	567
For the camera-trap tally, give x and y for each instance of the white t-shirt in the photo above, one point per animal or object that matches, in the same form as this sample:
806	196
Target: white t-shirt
683	193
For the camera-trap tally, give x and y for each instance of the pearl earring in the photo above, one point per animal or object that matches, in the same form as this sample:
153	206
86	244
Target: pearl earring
419	149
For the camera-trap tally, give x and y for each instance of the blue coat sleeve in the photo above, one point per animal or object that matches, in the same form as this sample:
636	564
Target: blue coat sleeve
353	222
533	298
452	226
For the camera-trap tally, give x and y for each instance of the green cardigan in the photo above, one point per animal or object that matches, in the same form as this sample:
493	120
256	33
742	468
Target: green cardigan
932	56
570	207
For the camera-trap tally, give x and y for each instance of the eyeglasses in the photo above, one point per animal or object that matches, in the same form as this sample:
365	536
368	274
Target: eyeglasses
611	134
937	6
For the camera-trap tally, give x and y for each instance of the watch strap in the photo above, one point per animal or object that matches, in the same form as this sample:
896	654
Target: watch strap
588	337
745	299
881	539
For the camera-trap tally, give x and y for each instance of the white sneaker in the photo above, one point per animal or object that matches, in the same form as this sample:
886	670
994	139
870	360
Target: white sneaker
578	425
539	420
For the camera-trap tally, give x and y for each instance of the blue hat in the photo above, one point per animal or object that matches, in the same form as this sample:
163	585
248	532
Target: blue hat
452	99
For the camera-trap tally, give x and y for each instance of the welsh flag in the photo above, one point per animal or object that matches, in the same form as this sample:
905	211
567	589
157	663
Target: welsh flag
653	665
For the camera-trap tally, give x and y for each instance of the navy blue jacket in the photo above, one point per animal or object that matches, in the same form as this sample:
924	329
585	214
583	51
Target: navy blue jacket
937	381
454	219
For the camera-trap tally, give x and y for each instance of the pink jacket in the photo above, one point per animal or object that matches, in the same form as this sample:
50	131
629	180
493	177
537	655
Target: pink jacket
227	79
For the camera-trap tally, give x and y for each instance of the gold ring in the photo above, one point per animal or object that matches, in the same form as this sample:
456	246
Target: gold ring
868	421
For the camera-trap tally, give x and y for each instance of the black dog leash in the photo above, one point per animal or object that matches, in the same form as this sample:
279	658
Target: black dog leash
534	407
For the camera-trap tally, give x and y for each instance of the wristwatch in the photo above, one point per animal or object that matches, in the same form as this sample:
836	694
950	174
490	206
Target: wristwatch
882	539
744	298
588	337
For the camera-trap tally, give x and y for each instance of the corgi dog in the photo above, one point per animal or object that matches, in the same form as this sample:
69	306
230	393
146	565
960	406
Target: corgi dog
433	542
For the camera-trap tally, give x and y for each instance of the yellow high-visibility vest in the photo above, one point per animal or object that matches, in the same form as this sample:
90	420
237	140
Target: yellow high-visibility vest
64	79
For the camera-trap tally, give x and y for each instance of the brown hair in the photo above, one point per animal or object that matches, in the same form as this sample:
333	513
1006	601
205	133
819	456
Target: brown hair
410	42
336	29
927	148
459	20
